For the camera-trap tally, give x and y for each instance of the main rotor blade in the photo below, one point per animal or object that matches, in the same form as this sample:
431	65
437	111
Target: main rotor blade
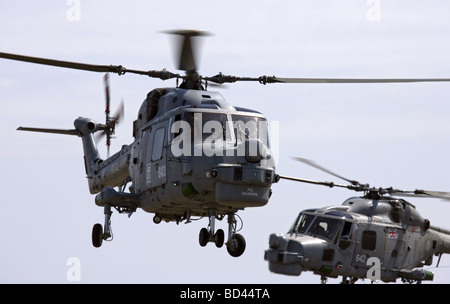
187	60
309	181
420	193
315	165
220	78
353	80
55	131
356	186
65	64
118	69
186	48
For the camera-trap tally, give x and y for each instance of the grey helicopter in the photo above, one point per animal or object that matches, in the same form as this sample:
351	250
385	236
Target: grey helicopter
193	155
376	236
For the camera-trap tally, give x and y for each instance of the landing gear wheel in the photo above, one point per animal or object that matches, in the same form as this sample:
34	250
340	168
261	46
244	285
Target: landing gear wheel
157	219
203	237
236	245
219	238
97	235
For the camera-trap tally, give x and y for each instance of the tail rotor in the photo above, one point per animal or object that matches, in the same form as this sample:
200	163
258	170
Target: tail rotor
111	121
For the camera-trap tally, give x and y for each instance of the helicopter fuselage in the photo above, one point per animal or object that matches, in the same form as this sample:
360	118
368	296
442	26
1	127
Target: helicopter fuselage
382	239
193	153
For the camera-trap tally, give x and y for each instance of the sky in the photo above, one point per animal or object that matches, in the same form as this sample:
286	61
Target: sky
382	134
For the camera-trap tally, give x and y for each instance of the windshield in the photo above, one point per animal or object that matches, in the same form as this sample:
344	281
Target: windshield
211	126
302	223
216	131
247	127
215	127
317	226
326	227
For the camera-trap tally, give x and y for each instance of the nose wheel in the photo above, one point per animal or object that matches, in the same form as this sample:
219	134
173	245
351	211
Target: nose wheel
235	243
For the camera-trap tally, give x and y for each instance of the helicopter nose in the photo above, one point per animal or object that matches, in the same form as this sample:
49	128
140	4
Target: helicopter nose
284	255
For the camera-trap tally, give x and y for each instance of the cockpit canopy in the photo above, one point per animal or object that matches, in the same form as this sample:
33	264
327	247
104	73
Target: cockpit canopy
212	126
328	226
198	131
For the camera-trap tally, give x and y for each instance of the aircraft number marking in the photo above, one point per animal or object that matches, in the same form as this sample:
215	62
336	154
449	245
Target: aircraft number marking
360	258
162	171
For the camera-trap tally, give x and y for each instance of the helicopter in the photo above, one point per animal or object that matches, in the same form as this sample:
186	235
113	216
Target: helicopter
193	155
376	236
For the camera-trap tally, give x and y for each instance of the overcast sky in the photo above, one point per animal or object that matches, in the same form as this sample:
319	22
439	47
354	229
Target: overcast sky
382	134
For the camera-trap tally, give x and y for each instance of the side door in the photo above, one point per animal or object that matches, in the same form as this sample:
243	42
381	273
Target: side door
156	165
137	165
370	243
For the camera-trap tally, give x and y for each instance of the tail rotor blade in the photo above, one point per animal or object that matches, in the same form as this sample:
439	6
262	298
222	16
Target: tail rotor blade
99	136
110	121
120	113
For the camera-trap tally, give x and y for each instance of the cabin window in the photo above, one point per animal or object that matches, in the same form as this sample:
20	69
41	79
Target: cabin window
369	240
346	231
345	241
158	144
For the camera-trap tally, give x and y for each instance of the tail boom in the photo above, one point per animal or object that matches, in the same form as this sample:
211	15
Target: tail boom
111	172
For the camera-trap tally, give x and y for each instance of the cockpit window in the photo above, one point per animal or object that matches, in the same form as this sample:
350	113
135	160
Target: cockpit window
302	223
217	132
317	226
207	126
216	127
326	227
247	127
